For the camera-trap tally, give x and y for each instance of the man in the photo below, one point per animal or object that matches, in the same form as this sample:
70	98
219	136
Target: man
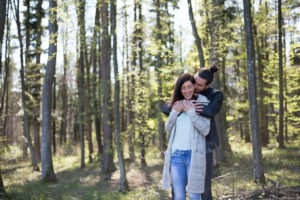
204	78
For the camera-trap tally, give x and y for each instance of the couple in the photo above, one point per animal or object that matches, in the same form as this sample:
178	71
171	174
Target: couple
192	135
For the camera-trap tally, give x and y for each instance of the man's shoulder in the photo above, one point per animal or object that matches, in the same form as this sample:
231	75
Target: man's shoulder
215	92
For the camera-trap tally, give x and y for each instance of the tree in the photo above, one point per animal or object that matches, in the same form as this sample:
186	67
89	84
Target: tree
48	174
158	56
196	35
123	181
16	6
257	155
2	189
81	23
95	81
281	110
2	27
107	166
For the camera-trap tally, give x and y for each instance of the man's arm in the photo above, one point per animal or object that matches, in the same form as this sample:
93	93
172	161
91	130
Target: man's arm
213	107
166	110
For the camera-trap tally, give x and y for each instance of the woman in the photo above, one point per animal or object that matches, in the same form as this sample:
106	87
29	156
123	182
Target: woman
186	148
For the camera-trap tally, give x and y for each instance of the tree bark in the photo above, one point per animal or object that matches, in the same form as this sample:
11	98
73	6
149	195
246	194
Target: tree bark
142	113
48	174
162	137
53	117
2	27
281	110
95	82
63	125
262	106
196	35
216	9
25	115
123	181
81	23
107	166
257	155
2	189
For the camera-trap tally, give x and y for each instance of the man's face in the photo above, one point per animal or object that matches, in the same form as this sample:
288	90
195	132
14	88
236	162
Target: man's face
200	84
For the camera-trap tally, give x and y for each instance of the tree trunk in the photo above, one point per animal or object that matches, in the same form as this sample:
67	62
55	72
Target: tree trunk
36	120
257	155
63	126
142	83
95	81
281	110
53	117
123	181
2	189
214	27
81	23
2	26
48	174
162	137
107	166
262	103
196	35
37	139
25	115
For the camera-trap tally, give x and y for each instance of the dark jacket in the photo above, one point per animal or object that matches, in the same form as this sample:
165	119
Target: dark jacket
216	98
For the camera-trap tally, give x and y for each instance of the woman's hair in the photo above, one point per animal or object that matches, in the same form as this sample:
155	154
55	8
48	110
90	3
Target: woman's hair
177	88
207	73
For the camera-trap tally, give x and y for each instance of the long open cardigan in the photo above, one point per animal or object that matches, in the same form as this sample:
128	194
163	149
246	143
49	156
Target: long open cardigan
201	125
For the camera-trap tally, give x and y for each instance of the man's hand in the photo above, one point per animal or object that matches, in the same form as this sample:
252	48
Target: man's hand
198	106
188	105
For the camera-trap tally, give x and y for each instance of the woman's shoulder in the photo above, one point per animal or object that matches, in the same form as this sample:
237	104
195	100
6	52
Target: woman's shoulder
201	98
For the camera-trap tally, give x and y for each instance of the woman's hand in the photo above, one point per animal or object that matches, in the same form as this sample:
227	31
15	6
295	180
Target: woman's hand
187	106
178	105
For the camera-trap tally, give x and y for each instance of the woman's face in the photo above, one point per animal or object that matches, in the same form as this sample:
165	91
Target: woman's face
187	90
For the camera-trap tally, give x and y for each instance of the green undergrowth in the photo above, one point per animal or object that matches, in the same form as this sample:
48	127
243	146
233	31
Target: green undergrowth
235	175
232	178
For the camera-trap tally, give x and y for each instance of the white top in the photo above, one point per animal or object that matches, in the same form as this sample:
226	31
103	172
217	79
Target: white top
182	138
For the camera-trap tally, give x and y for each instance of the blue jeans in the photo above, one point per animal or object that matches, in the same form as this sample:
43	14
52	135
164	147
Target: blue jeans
180	167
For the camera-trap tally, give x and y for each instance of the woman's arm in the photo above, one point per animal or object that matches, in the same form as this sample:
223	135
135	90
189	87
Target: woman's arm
202	124
171	121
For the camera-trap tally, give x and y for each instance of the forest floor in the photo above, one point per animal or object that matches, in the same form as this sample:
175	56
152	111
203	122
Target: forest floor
233	179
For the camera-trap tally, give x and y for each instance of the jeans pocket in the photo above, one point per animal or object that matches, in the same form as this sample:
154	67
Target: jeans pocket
174	154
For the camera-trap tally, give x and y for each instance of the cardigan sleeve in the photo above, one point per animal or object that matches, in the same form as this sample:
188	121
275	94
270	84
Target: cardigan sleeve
202	124
171	121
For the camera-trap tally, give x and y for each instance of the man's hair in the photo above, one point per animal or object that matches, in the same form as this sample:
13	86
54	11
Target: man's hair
207	73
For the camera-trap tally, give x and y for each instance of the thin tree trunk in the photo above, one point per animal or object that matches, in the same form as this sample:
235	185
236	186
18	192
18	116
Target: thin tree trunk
123	181
95	82
36	122
281	110
2	189
81	15
63	126
54	118
2	26
162	137
214	27
196	35
48	174
107	166
257	155
25	115
262	106
142	82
